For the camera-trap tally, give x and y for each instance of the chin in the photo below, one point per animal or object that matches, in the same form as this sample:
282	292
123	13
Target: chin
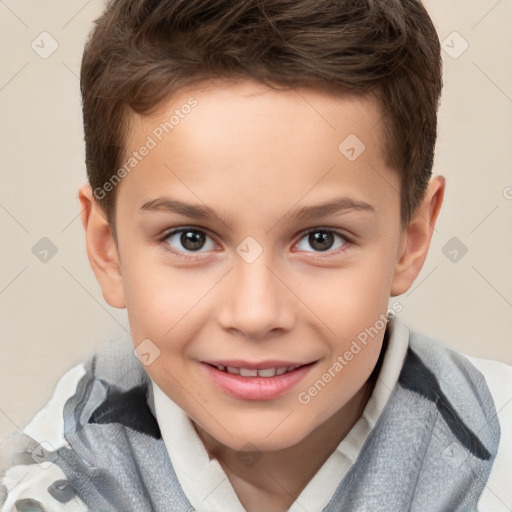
261	437
264	445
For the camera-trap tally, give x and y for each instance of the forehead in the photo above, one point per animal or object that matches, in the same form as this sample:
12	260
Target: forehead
246	141
221	106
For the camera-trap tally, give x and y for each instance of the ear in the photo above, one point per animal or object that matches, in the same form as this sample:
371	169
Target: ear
415	239
101	248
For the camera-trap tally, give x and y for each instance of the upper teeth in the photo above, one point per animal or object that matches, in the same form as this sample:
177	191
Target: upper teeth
246	372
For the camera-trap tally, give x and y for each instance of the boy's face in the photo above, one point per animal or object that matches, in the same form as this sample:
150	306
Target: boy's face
268	274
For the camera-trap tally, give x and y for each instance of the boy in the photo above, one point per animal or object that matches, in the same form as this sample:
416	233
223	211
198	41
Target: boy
259	187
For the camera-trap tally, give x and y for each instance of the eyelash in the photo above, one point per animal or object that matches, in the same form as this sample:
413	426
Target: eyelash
186	256
348	242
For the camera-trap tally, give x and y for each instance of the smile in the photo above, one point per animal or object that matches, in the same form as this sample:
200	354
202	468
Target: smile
256	383
248	372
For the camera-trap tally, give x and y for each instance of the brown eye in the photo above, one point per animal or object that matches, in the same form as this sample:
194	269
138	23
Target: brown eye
192	240
187	239
321	240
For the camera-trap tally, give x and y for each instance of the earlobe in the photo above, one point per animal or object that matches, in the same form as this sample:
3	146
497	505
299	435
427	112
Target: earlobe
101	248
416	237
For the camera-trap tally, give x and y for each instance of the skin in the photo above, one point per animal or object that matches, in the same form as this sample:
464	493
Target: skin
255	156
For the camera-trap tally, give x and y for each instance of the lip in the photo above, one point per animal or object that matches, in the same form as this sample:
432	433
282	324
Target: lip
256	388
262	365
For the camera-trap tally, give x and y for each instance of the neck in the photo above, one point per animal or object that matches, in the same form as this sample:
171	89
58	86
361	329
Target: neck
279	476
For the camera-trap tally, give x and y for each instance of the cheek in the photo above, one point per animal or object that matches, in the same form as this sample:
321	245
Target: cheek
164	307
153	301
352	306
345	383
370	282
165	304
348	300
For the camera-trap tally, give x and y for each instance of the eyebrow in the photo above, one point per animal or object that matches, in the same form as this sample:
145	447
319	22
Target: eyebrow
166	204
339	205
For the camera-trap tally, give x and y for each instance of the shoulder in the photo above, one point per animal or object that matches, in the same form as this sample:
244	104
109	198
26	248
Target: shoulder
31	463
498	376
29	480
480	392
471	383
497	496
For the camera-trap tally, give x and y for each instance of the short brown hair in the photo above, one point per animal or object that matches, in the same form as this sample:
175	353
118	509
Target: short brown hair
141	51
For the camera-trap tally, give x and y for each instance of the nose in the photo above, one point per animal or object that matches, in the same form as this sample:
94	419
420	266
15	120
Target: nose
255	300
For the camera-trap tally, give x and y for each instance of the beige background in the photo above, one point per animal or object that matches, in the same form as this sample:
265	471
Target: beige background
53	314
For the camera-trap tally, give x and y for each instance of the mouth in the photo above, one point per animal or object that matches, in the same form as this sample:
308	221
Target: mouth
256	381
257	372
